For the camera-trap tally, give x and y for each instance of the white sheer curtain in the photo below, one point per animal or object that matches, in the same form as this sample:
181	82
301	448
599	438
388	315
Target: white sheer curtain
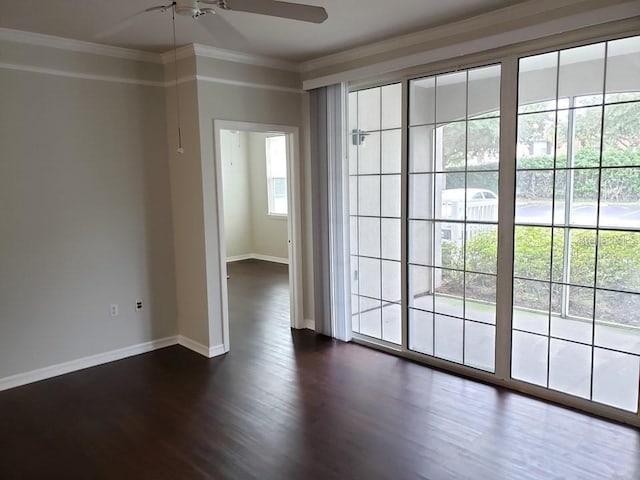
329	211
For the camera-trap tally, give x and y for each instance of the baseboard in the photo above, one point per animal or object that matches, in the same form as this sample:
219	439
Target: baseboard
237	258
268	258
85	362
197	347
258	256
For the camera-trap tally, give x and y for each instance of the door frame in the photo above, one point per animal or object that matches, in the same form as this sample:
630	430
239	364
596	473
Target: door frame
294	221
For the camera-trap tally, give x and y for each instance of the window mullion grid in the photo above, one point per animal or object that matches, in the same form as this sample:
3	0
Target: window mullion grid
464	225
553	217
434	148
380	217
404	215
506	215
597	242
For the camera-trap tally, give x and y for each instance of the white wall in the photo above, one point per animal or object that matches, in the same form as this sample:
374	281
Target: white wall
270	234
240	93
85	210
238	217
249	229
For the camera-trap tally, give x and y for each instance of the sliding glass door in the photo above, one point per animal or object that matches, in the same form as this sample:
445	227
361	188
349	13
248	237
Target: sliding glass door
425	166
374	175
576	302
454	137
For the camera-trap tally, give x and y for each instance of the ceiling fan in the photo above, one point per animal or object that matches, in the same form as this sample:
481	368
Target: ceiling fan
273	8
222	29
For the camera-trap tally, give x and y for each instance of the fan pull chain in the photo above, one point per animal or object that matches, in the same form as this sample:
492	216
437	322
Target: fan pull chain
175	70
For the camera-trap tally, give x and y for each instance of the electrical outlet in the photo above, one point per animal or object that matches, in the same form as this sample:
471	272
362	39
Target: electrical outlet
113	310
138	305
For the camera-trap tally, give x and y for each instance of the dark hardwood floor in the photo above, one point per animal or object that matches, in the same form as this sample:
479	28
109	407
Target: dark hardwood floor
294	405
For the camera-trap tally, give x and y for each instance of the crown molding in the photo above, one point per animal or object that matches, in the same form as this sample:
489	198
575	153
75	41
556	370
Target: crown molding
484	21
179	53
206	51
617	12
38	39
79	75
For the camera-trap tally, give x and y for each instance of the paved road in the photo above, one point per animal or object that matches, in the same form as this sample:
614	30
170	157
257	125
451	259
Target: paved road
612	215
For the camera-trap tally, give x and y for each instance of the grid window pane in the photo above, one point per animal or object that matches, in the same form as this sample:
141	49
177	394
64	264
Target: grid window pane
570	368
448	338
479	345
369	109
582	73
537	80
421	328
420	239
615	379
577	171
484	92
623	70
392	106
420	196
370	317
391	151
390	238
529	358
422	101
391	281
369	237
451	97
375	209
390	202
369	195
455	157
480	298
421	150
369	154
392	323
420	287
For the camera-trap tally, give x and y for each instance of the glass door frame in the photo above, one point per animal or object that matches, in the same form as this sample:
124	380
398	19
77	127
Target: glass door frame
508	58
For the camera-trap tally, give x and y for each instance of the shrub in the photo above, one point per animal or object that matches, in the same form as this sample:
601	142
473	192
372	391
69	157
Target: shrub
618	268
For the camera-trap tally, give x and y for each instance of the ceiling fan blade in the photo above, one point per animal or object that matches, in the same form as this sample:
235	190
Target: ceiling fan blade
128	22
274	8
224	34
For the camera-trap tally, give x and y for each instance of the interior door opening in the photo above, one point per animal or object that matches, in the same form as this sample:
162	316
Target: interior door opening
256	215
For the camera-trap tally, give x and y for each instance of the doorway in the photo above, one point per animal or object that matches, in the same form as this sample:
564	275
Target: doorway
258	210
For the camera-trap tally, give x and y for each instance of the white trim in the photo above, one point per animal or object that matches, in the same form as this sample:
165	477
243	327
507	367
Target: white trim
84	362
268	258
197	347
181	53
507	38
246	58
205	51
294	223
258	256
238	258
148	83
241	83
436	33
83	76
38	39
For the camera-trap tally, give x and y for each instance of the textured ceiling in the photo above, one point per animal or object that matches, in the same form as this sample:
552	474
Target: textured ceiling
351	23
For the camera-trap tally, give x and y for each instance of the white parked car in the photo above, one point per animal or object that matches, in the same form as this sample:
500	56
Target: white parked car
482	206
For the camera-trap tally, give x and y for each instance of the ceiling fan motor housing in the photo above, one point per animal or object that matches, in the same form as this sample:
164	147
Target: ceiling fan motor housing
187	7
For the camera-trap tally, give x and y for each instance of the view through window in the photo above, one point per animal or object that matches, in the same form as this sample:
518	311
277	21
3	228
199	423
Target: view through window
575	316
276	154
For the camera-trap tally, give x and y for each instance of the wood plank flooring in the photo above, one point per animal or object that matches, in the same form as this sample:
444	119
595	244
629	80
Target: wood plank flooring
293	405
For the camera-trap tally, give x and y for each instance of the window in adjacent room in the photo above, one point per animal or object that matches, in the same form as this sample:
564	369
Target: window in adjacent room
276	153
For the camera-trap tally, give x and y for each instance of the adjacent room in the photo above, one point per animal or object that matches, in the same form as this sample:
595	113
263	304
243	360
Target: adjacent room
259	239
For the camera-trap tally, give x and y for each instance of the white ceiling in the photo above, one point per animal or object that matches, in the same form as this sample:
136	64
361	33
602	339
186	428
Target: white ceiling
351	23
